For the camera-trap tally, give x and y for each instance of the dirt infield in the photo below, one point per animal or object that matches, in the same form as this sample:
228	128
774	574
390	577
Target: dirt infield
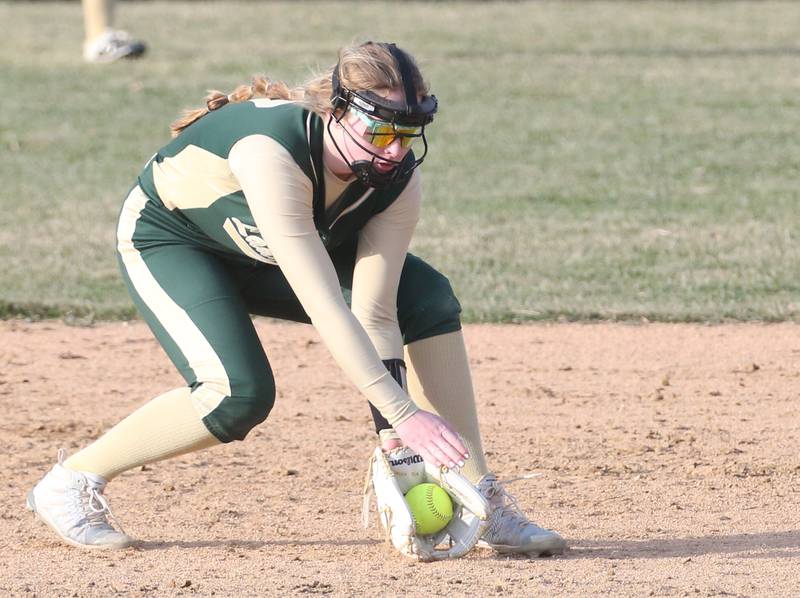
669	456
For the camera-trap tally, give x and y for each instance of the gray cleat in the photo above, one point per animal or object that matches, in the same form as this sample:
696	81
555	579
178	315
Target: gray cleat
509	530
72	503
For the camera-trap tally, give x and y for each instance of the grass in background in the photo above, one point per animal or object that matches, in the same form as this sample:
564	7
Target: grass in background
591	160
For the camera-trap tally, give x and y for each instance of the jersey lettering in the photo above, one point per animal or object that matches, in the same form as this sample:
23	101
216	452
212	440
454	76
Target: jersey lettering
249	240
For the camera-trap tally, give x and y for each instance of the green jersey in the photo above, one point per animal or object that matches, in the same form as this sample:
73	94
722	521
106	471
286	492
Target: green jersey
192	179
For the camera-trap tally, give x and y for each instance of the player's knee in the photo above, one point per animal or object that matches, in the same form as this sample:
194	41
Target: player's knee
434	310
248	404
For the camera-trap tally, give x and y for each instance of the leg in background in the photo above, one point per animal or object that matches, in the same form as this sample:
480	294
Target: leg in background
98	16
102	42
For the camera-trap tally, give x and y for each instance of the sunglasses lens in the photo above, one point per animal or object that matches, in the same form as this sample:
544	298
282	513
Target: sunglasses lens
382	134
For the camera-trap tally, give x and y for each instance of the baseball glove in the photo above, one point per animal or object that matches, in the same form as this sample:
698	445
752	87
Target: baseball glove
391	475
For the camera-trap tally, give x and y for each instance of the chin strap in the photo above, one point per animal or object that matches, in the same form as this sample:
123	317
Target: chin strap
370	176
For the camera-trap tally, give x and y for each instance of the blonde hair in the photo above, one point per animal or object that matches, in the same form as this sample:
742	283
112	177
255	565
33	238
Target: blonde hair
364	67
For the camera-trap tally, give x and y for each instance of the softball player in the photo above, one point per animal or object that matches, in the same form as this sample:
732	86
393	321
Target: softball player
283	202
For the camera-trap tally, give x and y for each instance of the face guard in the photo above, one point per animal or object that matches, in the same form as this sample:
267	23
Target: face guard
386	121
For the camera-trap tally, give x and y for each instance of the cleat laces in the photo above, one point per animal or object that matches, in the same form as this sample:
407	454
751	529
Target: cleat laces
506	510
99	511
88	504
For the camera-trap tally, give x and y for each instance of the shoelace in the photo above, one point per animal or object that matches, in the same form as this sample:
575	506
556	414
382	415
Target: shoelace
94	515
92	507
97	514
508	503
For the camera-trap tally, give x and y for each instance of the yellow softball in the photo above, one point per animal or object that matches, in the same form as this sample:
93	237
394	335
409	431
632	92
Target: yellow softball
431	507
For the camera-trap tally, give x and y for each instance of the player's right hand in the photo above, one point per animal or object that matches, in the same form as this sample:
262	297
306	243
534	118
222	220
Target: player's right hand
433	438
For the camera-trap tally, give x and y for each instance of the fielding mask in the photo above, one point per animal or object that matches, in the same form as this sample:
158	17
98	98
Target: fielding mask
385	121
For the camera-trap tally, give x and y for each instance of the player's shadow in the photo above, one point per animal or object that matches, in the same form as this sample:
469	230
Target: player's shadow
247	544
765	545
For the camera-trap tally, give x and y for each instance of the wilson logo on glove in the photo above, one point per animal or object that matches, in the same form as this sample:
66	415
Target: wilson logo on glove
415	458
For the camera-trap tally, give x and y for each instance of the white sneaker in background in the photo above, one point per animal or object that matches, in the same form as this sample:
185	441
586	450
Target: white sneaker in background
112	45
509	530
72	503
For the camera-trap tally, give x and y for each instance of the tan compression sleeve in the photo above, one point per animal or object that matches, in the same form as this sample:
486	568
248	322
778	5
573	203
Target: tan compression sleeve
382	248
280	198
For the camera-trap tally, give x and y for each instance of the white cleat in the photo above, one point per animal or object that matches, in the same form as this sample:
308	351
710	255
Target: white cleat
72	503
112	45
509	530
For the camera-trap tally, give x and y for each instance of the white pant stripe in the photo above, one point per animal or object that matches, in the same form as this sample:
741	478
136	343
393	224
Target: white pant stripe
202	358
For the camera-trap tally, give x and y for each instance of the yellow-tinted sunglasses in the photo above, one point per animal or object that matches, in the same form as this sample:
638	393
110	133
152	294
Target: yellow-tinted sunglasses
382	134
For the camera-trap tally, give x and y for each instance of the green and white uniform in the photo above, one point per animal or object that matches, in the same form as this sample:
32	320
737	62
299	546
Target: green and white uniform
238	215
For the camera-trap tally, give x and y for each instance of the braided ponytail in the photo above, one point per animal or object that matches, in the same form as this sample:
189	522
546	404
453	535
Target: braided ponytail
260	87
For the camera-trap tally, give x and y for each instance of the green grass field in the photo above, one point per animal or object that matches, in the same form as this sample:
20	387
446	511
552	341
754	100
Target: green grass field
591	160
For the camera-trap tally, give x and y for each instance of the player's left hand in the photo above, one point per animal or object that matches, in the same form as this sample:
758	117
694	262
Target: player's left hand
392	474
